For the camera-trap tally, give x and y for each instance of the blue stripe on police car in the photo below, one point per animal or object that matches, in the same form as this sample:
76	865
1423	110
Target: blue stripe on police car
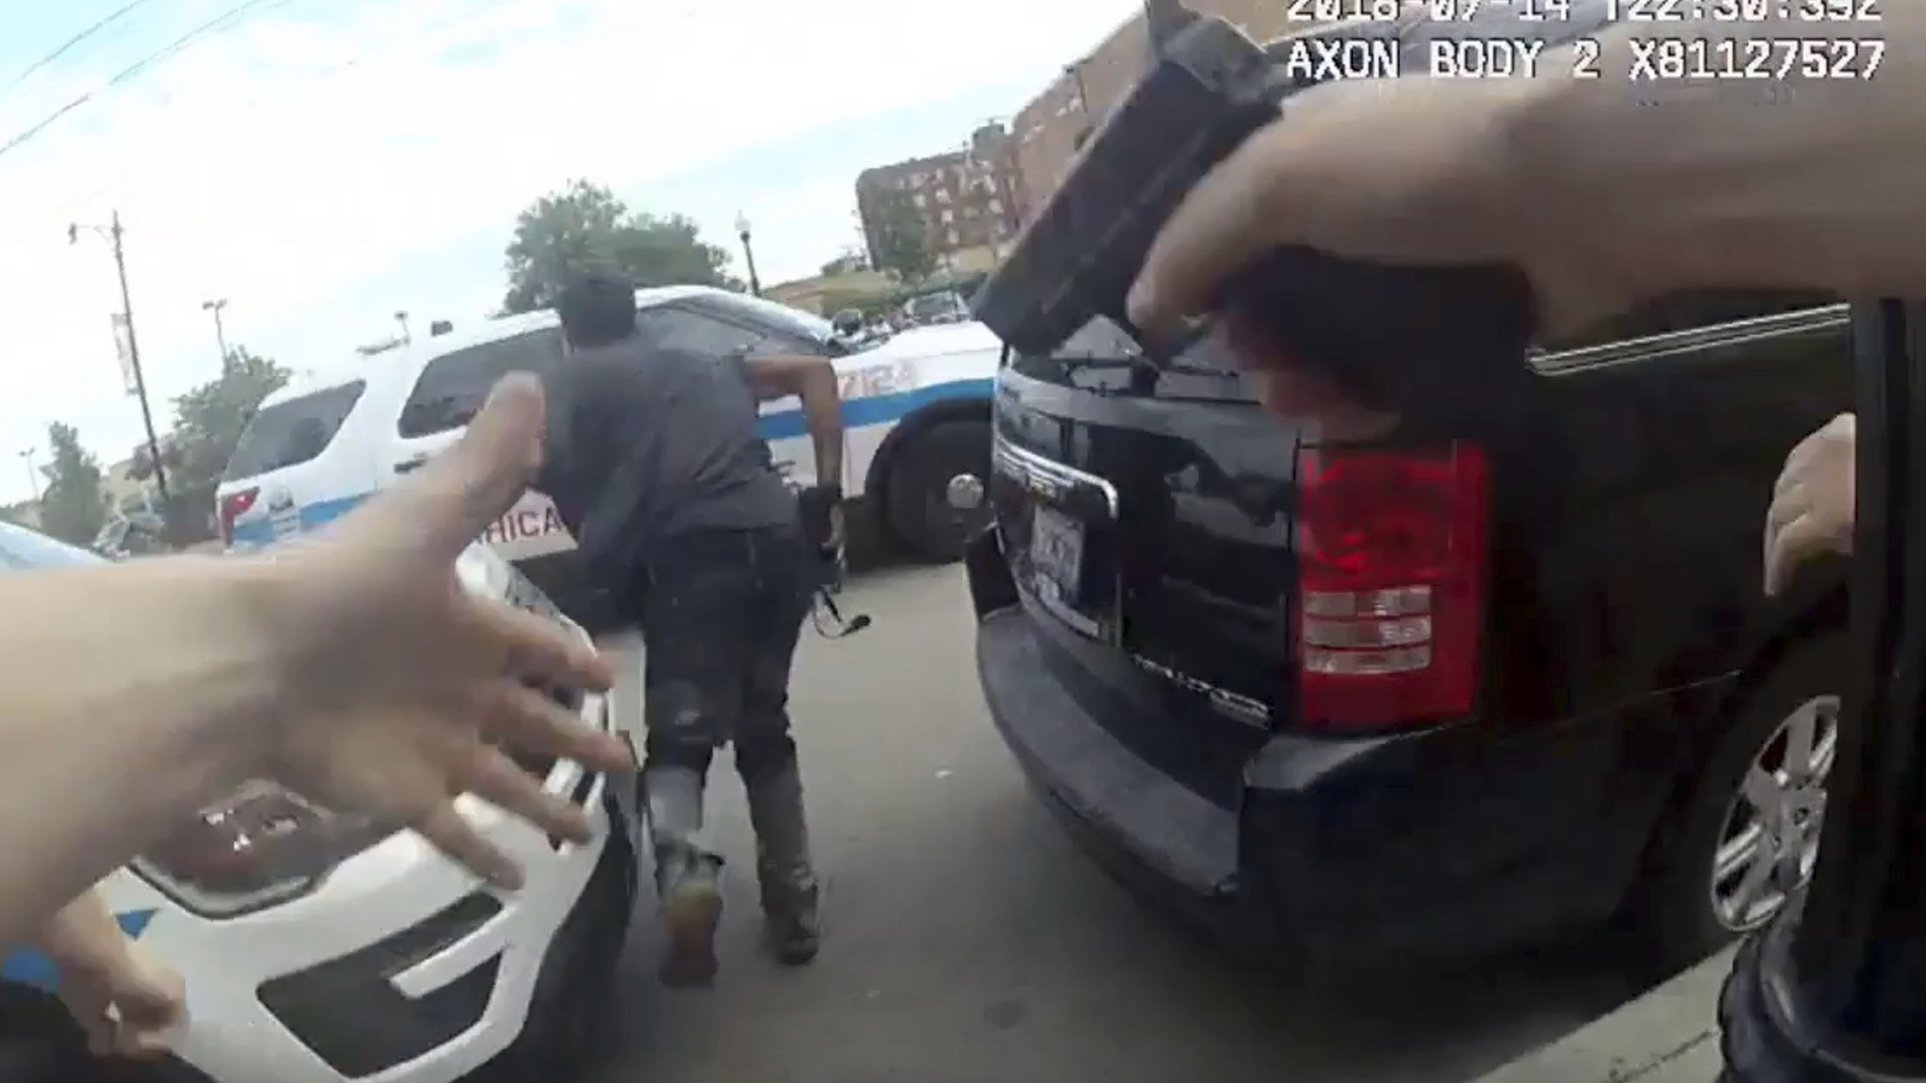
858	413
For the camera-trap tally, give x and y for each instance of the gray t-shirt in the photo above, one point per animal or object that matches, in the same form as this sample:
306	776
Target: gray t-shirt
646	444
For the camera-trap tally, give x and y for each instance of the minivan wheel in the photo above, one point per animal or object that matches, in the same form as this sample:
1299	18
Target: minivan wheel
921	516
1743	835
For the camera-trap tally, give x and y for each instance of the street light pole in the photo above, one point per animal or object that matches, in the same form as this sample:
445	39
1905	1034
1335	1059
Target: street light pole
33	475
748	254
113	234
406	337
220	333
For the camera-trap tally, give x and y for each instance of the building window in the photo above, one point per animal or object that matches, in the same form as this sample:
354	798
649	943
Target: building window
953	237
969	212
943	195
996	206
921	199
948	217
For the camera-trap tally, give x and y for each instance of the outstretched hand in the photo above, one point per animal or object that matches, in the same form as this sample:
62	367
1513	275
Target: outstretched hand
406	688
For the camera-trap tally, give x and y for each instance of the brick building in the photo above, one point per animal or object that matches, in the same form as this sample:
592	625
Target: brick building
966	197
1047	132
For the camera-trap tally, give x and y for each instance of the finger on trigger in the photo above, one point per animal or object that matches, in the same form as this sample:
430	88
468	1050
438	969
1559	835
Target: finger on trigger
1788	505
493	777
448	831
1790	547
1209	237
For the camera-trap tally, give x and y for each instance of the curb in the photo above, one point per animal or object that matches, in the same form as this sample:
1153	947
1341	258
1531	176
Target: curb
1667	1035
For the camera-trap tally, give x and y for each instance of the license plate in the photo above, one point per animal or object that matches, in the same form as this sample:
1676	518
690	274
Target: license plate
1056	555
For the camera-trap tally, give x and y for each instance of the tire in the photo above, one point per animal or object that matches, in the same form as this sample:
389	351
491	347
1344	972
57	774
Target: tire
916	489
1673	912
573	1005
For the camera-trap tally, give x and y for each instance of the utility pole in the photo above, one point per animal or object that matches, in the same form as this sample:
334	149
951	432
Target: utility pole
113	234
220	333
402	319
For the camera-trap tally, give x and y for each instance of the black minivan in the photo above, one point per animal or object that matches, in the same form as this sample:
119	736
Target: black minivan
1416	698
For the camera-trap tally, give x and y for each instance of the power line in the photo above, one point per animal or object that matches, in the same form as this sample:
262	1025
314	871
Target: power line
69	44
226	19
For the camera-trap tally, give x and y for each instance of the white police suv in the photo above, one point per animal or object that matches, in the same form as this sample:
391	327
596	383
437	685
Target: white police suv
916	410
318	948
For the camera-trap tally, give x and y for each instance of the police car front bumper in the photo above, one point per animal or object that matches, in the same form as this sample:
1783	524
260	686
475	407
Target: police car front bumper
398	968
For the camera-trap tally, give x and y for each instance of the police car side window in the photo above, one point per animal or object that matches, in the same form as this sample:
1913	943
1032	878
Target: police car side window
451	388
676	328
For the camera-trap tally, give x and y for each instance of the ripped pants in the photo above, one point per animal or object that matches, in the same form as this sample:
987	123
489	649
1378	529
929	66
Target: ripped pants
720	619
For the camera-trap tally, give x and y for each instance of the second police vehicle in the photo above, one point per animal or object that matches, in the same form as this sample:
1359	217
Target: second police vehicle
916	408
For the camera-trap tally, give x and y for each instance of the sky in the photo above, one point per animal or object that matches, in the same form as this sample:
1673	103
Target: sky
323	164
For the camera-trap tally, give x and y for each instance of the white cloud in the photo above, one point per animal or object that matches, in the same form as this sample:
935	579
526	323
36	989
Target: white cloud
322	141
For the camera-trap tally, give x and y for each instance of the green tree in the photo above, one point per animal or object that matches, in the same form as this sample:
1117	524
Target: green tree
207	425
897	235
844	264
585	226
72	505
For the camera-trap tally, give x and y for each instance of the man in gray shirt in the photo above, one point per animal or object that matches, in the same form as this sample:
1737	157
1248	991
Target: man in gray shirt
654	463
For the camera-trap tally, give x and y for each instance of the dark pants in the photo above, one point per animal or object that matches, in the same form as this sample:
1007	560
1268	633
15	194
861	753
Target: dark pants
720	613
720	620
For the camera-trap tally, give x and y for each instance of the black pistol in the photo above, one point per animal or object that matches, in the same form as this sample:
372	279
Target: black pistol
1445	348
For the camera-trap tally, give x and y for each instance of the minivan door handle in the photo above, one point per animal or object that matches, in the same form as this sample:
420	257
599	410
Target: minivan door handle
409	465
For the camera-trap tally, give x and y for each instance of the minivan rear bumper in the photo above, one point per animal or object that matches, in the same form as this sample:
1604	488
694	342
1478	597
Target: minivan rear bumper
1342	850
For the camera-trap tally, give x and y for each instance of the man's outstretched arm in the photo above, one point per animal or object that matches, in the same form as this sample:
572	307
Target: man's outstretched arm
1672	169
1678	166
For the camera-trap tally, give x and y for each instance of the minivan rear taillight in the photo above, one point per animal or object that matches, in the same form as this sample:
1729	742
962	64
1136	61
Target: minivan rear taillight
233	506
1391	584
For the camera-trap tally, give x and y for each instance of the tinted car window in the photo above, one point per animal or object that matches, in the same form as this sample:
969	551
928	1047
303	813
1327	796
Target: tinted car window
453	386
697	333
1691	309
23	548
292	431
794	327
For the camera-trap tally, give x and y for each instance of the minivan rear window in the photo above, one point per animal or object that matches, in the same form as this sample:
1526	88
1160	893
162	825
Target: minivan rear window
292	431
453	386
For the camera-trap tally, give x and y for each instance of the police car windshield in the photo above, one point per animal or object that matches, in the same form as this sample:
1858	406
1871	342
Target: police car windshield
21	548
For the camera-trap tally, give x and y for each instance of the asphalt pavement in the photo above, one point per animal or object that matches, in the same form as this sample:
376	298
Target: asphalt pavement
966	940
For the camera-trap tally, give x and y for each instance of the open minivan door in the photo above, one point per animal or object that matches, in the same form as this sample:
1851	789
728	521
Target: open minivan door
1835	988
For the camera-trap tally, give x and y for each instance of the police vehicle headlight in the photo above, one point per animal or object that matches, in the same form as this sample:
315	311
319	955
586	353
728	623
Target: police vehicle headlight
260	847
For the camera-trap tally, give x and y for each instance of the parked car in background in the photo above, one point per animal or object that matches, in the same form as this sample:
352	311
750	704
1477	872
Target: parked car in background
140	533
1408	697
319	948
944	306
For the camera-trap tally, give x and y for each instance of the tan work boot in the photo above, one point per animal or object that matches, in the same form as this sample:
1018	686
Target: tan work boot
790	895
687	875
691	911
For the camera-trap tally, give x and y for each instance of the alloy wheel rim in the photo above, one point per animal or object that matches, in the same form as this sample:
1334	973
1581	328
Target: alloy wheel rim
1769	838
